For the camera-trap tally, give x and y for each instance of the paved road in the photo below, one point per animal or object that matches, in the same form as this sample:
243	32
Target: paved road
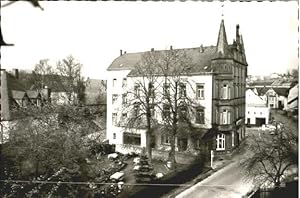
228	182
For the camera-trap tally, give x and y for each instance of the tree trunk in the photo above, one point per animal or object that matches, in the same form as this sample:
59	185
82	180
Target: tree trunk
148	135
172	151
148	146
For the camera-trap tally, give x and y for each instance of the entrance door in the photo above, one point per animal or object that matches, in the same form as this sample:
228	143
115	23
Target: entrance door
248	121
260	121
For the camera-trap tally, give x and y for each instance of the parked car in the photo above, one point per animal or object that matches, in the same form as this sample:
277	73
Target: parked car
268	127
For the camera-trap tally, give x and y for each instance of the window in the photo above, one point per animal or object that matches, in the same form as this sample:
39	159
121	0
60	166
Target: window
225	92
165	139
124	82
137	90
220	142
200	116
114	136
166	90
248	112
151	89
260	113
225	117
114	82
182	90
124	98
200	91
182	112
114	118
132	138
114	98
166	111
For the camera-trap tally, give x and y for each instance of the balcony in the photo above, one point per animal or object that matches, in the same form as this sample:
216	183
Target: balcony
224	127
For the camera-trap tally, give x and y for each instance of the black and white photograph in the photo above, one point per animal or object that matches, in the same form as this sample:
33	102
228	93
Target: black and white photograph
170	99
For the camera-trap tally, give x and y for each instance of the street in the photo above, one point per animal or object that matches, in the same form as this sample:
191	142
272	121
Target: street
231	181
227	182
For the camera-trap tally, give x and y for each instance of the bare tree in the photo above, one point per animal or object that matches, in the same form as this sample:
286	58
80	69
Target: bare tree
71	80
272	157
160	83
176	104
142	97
43	74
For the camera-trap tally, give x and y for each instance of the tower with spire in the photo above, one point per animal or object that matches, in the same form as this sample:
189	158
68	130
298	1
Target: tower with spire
229	82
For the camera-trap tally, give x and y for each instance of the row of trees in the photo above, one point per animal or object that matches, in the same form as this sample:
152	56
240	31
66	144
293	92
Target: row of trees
47	144
65	75
156	70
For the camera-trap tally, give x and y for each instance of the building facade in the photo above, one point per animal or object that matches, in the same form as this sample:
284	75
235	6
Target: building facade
257	110
214	82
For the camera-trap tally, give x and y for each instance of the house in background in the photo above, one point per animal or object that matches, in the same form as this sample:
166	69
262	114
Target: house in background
14	95
257	110
218	74
276	98
292	101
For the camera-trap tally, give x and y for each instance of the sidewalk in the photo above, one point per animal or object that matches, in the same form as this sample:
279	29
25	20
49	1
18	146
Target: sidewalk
218	165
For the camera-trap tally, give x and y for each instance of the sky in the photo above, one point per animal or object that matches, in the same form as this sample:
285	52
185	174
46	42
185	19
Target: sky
94	32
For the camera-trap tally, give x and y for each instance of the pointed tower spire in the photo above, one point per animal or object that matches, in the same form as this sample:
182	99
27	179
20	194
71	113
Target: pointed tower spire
222	45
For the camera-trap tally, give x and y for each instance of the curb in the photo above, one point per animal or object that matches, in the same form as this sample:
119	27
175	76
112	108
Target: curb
196	180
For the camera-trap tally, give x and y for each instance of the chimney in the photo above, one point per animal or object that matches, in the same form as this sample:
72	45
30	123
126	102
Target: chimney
171	47
121	52
152	49
15	73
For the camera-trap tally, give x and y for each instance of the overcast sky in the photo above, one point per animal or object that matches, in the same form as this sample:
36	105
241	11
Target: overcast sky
94	32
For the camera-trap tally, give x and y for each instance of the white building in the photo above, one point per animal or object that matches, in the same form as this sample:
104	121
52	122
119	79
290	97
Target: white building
257	111
214	81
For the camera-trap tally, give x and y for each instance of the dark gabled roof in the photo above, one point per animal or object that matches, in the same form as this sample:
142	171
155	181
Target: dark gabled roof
33	94
18	94
262	83
262	90
200	59
282	91
126	61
